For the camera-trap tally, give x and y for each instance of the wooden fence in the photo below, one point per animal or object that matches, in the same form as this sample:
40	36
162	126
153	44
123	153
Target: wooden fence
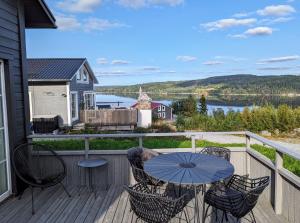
110	117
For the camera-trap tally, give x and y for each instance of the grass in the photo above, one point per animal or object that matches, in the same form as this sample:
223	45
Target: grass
289	163
124	144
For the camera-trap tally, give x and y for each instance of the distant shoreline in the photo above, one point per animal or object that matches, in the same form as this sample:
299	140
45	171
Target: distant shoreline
193	93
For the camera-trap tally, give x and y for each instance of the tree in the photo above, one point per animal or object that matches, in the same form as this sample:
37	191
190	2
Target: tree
186	107
203	105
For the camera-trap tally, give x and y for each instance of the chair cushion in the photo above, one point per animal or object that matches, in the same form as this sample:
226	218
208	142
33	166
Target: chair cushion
148	154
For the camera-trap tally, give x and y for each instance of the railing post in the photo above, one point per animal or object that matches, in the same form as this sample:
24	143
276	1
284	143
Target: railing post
248	159
193	143
140	142
86	147
278	182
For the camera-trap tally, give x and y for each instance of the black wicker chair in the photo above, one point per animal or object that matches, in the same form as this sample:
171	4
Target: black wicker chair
237	198
37	171
136	161
153	207
217	151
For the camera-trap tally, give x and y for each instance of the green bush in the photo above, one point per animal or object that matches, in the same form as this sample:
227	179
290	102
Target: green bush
257	119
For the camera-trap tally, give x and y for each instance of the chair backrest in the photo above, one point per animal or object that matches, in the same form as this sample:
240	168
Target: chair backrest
217	151
251	190
134	156
38	165
153	208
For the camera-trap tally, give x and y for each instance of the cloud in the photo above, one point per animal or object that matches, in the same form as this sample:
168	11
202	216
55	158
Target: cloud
230	58
259	31
78	5
111	73
228	23
136	4
102	60
67	23
213	62
276	10
150	68
71	23
274	68
276	20
186	58
242	14
279	59
120	62
101	24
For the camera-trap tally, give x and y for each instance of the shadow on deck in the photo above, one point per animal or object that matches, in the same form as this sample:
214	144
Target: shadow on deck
53	205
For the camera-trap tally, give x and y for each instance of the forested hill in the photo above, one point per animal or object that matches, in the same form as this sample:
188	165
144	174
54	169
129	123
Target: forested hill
232	84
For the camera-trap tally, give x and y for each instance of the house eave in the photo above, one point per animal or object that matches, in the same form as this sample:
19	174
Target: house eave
38	15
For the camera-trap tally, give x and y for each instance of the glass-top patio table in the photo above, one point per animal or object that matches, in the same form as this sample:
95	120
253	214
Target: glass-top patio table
187	168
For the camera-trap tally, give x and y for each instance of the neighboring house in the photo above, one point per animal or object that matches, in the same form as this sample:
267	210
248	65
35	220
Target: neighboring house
160	111
61	86
15	17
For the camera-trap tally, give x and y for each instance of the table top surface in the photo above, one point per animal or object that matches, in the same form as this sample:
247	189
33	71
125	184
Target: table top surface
91	163
188	168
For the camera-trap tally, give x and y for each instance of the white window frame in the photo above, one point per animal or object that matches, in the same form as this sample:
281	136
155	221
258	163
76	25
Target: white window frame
6	135
163	108
78	76
163	115
159	115
159	108
89	93
76	113
81	71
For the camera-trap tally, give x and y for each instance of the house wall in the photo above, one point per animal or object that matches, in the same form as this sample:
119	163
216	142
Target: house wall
12	51
80	88
168	113
50	99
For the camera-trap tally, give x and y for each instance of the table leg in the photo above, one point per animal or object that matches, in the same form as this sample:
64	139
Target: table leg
196	208
90	179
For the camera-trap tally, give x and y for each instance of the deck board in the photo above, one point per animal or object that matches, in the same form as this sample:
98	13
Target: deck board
53	205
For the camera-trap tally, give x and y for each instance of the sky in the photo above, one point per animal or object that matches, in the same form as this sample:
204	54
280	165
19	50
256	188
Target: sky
139	41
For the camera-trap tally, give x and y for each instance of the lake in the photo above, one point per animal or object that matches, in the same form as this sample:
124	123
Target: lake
236	103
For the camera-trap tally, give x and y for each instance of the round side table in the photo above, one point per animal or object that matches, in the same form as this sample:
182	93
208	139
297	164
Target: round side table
89	165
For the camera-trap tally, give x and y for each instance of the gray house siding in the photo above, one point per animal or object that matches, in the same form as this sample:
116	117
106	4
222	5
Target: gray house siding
12	52
81	88
168	113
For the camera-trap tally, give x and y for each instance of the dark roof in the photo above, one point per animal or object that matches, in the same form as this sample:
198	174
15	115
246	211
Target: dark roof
56	69
38	15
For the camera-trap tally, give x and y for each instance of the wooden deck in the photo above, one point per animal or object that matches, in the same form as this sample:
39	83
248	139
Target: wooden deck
53	205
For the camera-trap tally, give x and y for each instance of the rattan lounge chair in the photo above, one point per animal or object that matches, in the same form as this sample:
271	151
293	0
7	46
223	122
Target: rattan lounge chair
153	207
37	170
237	198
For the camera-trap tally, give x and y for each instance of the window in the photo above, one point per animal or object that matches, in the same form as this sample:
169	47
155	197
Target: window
85	76
159	115
78	76
5	181
82	76
163	115
89	101
163	108
159	108
74	105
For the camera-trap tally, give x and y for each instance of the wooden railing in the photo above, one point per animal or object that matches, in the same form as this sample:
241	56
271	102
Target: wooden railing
281	175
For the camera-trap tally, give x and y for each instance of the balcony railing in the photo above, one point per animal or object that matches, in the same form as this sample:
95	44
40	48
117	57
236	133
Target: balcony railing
284	191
